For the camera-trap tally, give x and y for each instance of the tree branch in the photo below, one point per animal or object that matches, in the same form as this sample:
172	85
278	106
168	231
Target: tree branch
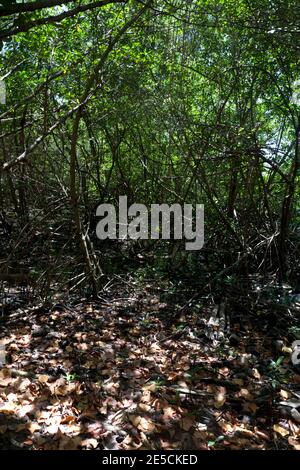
31	6
91	88
23	28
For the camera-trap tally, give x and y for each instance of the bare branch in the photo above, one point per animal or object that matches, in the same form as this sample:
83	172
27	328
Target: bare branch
31	6
23	28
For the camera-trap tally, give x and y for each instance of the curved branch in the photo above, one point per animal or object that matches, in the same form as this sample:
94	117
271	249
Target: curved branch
89	92
23	28
92	264
31	6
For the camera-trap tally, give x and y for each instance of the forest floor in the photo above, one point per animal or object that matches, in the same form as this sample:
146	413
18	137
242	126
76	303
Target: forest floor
134	371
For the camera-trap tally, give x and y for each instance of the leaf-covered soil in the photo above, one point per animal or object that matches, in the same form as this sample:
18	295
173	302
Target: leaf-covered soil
134	371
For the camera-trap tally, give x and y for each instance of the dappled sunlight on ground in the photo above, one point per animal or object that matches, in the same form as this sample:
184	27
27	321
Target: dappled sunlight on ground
119	375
